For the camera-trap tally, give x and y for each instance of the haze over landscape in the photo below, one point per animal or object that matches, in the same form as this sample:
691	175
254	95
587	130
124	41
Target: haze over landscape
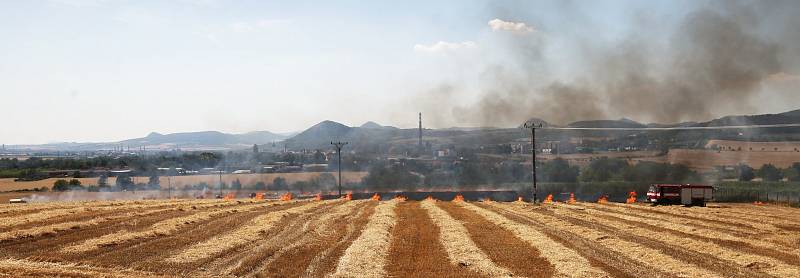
107	71
452	138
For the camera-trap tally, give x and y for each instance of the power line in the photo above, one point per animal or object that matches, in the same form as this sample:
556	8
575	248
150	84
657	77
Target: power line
671	128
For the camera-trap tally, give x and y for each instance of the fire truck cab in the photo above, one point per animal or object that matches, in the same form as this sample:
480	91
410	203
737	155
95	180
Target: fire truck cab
685	194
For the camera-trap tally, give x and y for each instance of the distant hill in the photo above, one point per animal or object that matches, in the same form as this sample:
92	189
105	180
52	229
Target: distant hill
375	125
205	138
319	135
371	124
791	117
621	123
374	137
368	135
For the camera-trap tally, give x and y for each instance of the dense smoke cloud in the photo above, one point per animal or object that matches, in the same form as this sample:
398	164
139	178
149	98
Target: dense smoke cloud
714	61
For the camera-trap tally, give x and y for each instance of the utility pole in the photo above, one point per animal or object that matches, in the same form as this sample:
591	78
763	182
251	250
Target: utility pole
533	128
220	180
169	183
339	146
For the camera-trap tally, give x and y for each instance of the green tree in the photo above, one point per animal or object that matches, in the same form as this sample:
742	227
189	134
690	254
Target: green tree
769	172
793	173
746	173
325	181
102	181
74	183
390	177
559	170
236	185
471	174
319	157
646	171
124	182
260	186
603	169
279	183
680	173
60	185
77	174
154	181
300	186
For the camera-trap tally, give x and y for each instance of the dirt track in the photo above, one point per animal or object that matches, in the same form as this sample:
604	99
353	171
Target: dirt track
312	238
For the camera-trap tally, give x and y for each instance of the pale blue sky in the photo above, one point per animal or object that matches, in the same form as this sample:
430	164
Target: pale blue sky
94	70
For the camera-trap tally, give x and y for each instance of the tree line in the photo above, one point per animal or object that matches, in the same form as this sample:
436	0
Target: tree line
468	174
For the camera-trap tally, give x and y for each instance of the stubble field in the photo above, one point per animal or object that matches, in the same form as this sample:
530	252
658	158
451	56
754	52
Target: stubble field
366	238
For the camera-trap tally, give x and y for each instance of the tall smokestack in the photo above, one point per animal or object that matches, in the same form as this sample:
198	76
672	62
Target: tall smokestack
420	131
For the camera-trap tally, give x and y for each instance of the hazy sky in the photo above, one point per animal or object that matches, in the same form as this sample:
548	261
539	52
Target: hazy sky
94	70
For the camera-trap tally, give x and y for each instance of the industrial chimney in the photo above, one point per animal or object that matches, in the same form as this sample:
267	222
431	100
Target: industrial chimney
420	131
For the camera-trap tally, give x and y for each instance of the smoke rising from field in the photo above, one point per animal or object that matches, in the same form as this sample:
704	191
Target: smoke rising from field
710	62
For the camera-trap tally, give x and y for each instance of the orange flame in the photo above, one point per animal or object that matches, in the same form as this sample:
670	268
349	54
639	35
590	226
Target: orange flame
631	197
348	196
603	199
229	196
758	203
519	199
318	197
430	198
487	200
400	197
376	197
458	198
259	196
287	197
571	198
548	199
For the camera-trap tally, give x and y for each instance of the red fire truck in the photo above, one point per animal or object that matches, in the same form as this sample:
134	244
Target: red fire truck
685	194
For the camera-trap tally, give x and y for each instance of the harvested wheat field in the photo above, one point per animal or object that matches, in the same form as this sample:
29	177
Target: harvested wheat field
395	238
